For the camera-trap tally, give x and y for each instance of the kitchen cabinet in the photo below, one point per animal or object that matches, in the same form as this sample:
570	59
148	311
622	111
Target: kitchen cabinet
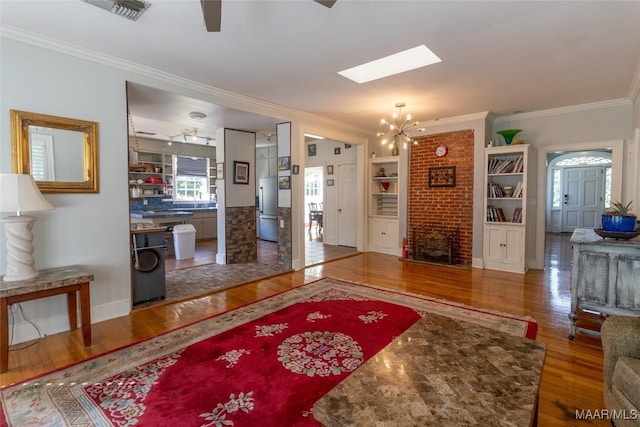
503	247
384	235
266	162
205	223
155	172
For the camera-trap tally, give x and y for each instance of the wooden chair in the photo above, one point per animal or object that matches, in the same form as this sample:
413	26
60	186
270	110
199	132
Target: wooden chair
315	214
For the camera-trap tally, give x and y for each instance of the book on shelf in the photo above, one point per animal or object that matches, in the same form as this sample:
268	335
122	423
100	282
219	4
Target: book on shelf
495	214
494	190
499	165
517	192
517	215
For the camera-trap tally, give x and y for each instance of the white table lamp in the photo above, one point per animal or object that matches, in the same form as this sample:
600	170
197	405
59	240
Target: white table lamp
19	193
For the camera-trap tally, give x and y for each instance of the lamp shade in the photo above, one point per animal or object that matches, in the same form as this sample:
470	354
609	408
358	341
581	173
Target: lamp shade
19	193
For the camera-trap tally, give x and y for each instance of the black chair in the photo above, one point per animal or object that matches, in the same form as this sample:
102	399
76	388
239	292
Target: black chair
315	214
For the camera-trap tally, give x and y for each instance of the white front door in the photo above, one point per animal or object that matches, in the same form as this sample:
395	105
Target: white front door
347	204
582	197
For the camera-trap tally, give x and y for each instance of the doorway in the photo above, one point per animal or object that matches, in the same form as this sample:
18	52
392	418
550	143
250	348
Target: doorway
550	197
580	189
330	224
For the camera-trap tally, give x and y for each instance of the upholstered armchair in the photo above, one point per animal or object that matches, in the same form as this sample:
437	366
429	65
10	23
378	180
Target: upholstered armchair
621	347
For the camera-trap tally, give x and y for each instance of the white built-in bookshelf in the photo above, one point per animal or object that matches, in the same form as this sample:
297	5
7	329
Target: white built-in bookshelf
505	204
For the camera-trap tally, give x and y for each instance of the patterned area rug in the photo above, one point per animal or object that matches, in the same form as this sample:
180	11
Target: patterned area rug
196	281
263	364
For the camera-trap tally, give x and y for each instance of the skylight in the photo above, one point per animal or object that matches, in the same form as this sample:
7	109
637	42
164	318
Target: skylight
407	60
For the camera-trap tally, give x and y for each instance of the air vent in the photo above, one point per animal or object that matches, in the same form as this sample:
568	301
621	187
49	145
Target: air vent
130	9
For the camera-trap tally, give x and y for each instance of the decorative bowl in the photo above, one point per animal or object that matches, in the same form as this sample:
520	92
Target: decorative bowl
618	235
508	134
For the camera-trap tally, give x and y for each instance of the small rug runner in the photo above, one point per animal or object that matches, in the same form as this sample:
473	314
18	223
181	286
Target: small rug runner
263	364
200	280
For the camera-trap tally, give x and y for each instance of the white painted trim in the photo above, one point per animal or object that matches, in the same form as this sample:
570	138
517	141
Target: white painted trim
634	90
452	120
622	102
221	259
617	165
477	263
223	97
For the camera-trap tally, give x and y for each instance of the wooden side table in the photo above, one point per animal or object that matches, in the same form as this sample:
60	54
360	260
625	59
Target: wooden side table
54	281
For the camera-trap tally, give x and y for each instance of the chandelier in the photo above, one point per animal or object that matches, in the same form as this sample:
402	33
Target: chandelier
398	130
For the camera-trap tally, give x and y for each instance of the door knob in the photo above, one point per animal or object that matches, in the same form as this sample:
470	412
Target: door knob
339	210
566	198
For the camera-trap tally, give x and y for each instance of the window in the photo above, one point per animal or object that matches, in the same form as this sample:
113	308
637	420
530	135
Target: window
42	168
584	161
556	188
191	179
607	187
312	183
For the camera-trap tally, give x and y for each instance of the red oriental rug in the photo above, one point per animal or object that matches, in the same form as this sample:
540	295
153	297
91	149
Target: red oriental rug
263	364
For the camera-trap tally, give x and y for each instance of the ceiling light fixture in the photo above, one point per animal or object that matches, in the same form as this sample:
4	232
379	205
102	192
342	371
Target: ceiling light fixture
197	115
407	60
310	135
130	9
399	129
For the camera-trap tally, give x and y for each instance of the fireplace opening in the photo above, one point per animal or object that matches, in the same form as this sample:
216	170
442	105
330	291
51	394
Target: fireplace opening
436	242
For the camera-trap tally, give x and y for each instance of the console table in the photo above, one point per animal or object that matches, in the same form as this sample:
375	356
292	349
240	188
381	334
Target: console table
605	277
441	372
53	281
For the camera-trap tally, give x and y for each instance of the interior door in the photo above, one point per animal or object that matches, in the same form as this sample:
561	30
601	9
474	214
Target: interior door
583	195
347	204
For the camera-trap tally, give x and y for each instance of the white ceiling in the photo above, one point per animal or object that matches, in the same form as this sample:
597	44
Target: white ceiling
502	56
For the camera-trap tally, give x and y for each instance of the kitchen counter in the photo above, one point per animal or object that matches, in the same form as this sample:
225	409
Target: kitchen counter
164	213
147	228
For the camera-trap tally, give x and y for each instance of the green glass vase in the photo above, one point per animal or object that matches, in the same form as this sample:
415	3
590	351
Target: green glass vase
508	135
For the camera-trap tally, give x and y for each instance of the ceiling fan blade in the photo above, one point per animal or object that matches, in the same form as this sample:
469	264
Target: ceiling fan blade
212	13
327	3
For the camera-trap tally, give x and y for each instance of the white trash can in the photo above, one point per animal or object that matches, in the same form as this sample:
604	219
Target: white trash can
184	240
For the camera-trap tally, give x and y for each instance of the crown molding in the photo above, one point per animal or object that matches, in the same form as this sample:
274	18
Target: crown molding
457	119
223	97
565	110
634	91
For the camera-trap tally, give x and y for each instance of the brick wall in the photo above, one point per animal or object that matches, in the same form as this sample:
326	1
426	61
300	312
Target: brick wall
451	206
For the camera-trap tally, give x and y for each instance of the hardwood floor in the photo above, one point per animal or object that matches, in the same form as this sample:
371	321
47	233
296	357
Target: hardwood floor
572	377
315	252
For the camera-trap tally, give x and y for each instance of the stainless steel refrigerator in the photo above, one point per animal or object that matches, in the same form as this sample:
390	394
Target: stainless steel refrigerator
268	207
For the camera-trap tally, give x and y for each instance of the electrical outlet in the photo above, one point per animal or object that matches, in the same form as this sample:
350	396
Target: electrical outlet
145	201
282	223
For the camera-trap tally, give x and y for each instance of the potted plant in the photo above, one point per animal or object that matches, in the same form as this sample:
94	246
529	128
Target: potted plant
619	218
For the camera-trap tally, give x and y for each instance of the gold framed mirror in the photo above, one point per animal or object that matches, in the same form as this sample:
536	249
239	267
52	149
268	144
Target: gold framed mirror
60	153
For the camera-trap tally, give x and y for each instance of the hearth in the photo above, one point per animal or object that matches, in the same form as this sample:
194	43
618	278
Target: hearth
436	242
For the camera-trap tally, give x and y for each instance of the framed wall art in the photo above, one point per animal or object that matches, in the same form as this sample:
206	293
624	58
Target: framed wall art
220	170
283	163
442	176
311	150
330	170
284	183
240	172
330	183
